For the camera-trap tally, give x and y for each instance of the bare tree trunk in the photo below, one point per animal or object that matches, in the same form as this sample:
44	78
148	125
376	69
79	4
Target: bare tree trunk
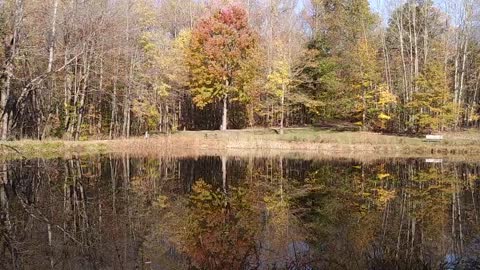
462	79
425	36
51	47
282	104
113	119
6	72
411	49
364	110
402	54
224	113
388	74
83	93
462	44
126	99
415	41
126	115
225	108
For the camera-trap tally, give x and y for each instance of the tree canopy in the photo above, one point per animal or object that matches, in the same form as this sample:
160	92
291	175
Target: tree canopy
101	69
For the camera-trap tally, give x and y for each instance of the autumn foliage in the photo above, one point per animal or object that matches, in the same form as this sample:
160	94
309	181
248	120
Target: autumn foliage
220	55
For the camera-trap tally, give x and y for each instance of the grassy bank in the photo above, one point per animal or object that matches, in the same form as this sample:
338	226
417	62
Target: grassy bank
304	141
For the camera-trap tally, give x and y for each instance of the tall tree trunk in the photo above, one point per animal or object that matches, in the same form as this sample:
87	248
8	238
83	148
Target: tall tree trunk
415	42
225	108
126	114
402	54
364	109
43	131
425	37
282	104
83	94
224	113
113	119
126	99
6	72
51	46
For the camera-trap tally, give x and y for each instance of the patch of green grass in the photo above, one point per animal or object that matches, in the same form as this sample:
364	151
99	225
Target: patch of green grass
49	149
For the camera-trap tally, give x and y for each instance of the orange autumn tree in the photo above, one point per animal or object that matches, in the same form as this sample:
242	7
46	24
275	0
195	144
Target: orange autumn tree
220	58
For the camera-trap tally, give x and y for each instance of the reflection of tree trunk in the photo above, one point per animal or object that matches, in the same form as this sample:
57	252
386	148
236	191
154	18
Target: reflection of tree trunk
224	173
75	207
457	206
50	216
460	221
453	222
475	210
402	214
66	194
113	177
281	179
412	242
385	220
250	169
6	226
126	189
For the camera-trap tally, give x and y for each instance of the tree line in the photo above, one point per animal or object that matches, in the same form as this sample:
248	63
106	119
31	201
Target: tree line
77	69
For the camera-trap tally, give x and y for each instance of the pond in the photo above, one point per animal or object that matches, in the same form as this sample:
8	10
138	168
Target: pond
120	211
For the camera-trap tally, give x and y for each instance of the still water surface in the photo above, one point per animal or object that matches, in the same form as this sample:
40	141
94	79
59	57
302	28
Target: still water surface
209	212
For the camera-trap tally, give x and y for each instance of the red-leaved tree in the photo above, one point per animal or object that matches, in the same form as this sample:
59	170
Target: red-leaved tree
220	58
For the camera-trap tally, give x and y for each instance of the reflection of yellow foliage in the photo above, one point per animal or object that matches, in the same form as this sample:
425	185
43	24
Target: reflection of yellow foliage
382	176
383	196
161	201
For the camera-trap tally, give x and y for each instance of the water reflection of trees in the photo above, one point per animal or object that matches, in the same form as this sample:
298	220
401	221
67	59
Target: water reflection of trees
67	214
405	215
214	213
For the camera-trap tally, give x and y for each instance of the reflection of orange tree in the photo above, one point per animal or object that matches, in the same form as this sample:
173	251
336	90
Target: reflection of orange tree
218	230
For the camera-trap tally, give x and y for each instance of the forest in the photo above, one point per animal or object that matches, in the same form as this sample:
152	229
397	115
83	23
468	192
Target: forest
80	69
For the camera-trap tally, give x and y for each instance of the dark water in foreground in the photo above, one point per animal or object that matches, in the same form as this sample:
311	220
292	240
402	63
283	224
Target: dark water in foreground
121	212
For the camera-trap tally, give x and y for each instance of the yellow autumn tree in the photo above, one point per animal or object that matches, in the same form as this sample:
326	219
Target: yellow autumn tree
432	108
277	83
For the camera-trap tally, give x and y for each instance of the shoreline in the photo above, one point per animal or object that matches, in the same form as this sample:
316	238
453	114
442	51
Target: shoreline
300	142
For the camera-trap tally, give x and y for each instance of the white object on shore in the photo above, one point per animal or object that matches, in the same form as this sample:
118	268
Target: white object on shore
434	138
434	160
146	135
